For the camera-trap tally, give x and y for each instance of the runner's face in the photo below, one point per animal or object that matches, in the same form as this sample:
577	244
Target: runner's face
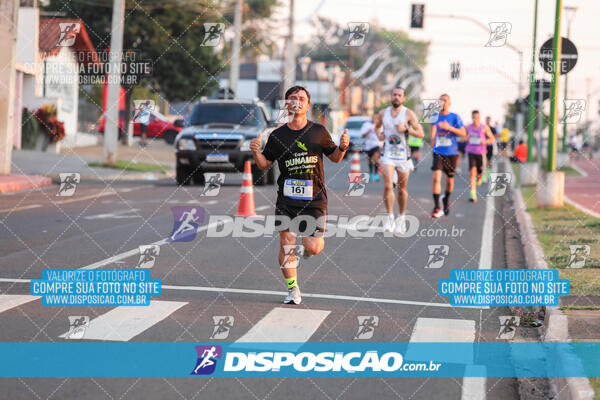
445	103
476	118
397	97
298	103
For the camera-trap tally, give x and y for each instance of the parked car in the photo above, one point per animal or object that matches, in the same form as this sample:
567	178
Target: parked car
217	138
158	127
354	123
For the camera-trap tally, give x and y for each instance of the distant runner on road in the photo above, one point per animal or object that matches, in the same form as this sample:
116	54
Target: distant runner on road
444	138
479	136
398	124
298	147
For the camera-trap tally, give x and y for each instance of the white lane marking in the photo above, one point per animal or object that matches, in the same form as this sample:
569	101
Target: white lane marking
286	325
28	207
136	252
262	208
581	208
124	323
276	293
8	301
487	234
473	388
121	214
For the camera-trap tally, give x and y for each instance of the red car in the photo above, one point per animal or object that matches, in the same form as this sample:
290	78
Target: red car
158	127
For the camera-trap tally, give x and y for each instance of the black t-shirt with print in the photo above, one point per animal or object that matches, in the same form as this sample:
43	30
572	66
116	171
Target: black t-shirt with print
299	154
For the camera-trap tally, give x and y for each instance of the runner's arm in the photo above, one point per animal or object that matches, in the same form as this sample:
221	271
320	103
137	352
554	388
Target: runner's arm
413	122
261	161
333	152
490	136
459	131
433	130
379	126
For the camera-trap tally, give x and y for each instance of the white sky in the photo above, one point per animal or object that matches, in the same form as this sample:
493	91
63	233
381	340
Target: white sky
486	71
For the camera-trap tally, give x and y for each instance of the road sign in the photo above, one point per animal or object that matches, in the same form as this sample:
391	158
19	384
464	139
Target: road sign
568	56
417	15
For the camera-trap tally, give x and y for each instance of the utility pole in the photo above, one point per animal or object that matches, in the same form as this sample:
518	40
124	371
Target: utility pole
550	188
114	83
8	36
556	49
531	111
570	12
289	77
234	72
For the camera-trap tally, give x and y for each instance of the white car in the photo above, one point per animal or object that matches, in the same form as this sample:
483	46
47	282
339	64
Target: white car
354	123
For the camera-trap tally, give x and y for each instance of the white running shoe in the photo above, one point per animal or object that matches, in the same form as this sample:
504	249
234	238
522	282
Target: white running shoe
389	224
293	296
400	225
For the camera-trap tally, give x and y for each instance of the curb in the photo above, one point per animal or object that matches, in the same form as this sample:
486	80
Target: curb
13	183
555	322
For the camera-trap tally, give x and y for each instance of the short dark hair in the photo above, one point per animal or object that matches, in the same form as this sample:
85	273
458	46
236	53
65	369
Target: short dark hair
521	142
399	88
295	89
475	112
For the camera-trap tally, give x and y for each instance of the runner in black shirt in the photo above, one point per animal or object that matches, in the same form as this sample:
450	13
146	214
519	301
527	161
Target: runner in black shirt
298	147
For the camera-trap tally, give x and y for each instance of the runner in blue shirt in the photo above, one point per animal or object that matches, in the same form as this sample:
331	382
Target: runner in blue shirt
444	139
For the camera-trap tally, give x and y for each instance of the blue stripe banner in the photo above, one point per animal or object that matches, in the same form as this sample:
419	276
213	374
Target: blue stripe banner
341	359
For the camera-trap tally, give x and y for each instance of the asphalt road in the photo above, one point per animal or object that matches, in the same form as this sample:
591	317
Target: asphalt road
378	276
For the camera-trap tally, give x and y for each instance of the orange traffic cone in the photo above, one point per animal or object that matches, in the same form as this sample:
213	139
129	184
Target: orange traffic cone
355	175
246	205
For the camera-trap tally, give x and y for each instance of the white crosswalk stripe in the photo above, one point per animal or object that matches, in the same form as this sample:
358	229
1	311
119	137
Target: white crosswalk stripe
451	330
124	323
8	301
286	325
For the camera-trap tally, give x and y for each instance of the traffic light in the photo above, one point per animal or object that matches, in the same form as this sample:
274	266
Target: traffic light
455	70
417	15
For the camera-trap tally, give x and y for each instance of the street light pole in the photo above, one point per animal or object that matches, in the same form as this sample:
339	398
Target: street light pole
570	13
556	50
531	111
234	72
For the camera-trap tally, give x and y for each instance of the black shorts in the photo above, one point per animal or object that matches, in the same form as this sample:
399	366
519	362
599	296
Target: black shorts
445	163
490	152
374	150
476	160
461	147
143	128
414	149
305	221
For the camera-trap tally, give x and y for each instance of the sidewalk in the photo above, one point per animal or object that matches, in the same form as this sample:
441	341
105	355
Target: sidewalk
583	191
157	152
